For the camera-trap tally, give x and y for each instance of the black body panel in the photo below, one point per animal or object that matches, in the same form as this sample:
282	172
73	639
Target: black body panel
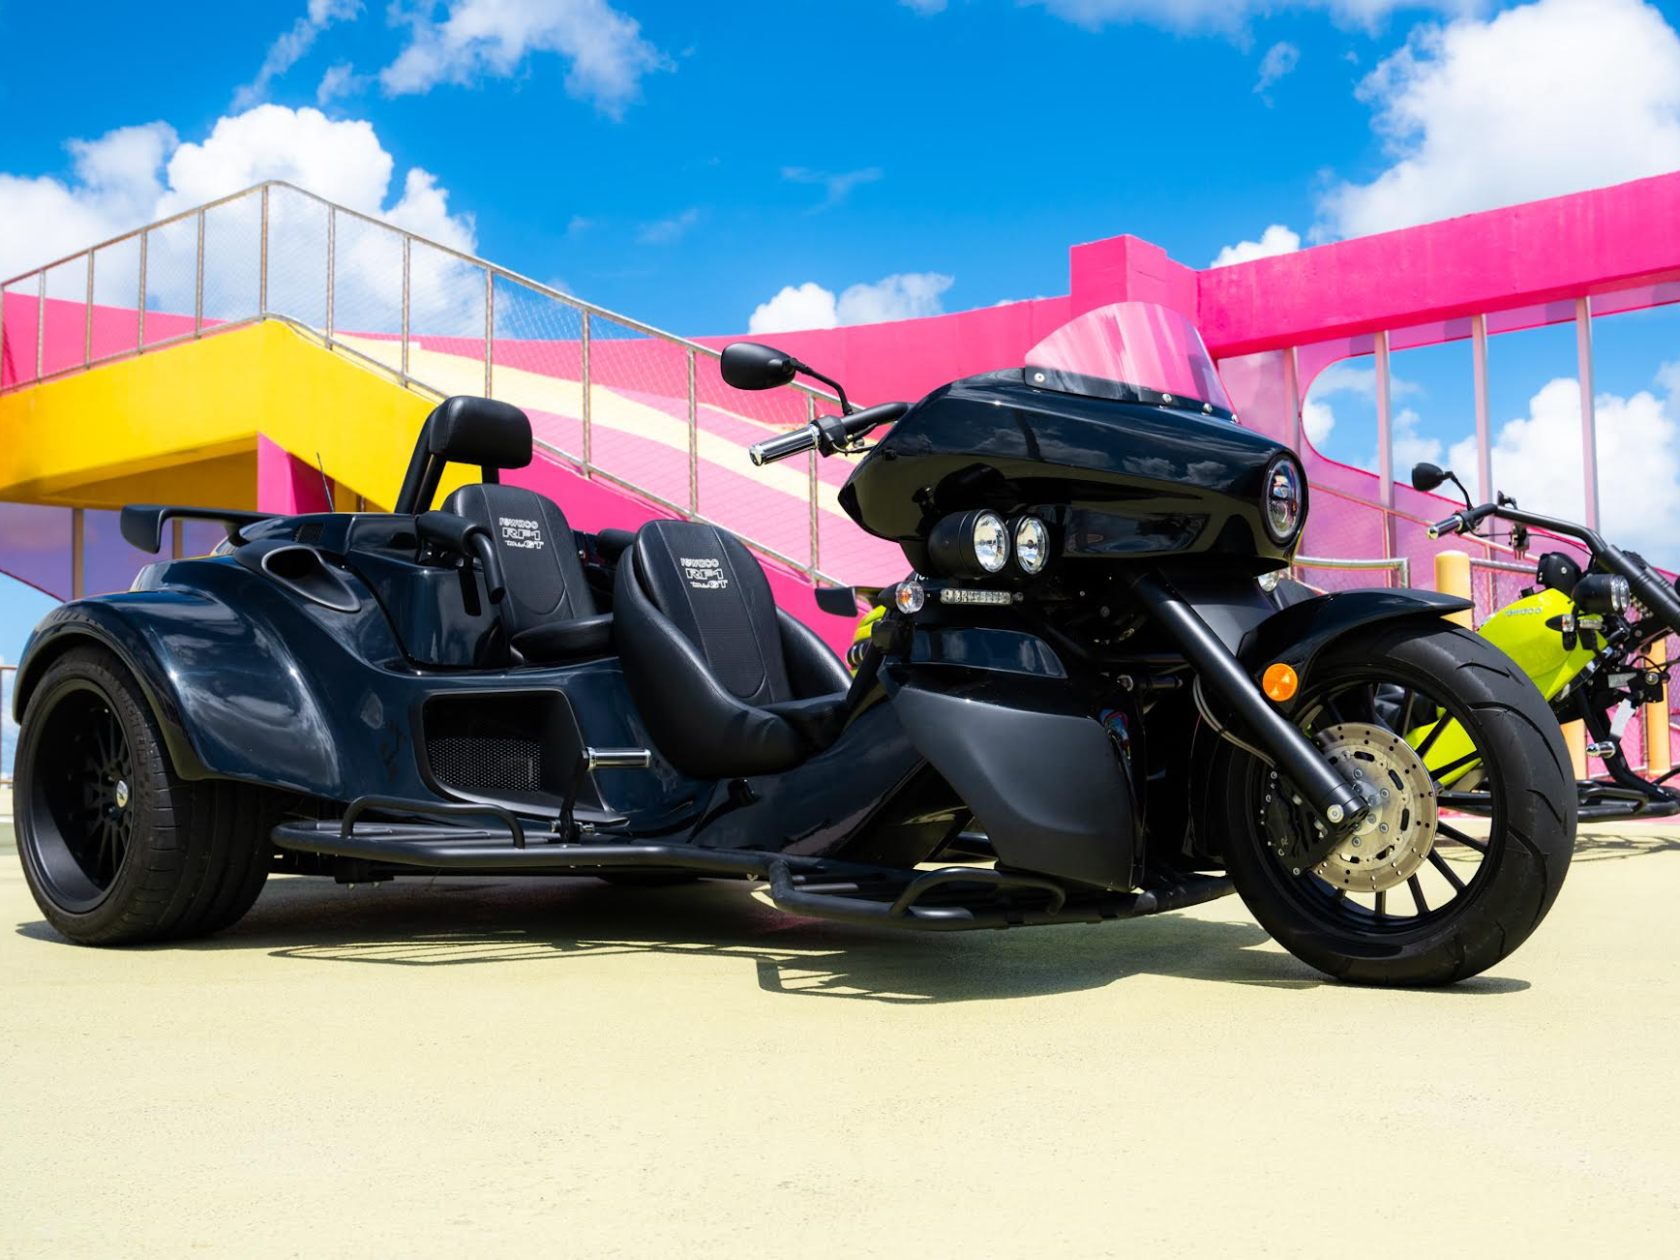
1074	813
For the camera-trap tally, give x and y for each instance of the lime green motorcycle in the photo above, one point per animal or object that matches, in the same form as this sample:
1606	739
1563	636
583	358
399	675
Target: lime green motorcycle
1585	636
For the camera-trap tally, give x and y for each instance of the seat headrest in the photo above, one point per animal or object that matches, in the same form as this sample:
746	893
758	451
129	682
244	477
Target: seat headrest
483	431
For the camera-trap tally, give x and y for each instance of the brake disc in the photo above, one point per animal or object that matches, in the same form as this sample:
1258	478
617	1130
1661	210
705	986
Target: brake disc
1394	839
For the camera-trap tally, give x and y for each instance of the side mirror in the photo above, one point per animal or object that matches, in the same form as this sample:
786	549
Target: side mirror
748	365
1427	477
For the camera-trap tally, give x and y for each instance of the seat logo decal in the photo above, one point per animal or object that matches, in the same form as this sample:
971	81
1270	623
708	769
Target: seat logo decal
523	534
704	574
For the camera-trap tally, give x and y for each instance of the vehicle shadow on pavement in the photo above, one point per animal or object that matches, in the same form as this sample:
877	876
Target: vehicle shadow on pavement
1597	846
458	922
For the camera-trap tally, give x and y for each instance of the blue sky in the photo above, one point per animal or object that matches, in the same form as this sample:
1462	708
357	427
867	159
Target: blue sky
688	163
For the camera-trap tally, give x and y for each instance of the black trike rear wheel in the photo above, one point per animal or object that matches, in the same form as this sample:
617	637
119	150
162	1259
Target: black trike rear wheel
116	848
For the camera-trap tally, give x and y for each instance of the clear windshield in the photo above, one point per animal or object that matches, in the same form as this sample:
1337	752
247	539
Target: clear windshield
1136	351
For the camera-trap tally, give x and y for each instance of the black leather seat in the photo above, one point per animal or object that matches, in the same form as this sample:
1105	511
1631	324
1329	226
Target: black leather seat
727	683
549	612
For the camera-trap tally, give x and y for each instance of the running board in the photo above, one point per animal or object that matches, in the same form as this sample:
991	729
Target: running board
950	899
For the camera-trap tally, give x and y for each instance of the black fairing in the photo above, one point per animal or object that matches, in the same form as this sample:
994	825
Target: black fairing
1118	480
1043	778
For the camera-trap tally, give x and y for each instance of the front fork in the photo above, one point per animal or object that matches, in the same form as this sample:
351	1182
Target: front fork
1331	796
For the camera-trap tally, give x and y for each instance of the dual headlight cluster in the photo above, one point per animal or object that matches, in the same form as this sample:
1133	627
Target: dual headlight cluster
981	544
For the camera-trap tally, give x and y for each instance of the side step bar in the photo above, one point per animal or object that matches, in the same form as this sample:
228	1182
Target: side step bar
950	899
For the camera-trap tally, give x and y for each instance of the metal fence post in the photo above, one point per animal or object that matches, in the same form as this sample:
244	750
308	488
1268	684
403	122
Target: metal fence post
693	443
198	281
41	323
140	305
1385	442
262	259
332	262
1589	419
489	329
87	331
1292	383
78	559
583	343
816	531
1484	448
406	241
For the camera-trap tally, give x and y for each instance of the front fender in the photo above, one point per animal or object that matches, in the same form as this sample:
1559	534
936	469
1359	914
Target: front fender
1298	634
226	693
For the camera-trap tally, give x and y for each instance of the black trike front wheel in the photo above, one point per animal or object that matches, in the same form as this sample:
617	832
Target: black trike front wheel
1421	893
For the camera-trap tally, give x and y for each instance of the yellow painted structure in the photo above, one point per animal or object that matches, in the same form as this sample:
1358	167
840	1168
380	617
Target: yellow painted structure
181	425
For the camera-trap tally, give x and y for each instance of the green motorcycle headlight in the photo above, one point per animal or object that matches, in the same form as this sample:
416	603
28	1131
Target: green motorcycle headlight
1603	593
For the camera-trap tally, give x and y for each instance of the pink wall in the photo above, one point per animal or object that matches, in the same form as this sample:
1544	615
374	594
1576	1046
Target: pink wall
1529	260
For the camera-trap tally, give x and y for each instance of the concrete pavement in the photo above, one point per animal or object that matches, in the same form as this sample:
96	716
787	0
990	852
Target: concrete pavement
506	1066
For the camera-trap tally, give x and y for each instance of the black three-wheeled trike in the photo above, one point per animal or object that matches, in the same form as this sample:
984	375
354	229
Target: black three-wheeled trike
1080	705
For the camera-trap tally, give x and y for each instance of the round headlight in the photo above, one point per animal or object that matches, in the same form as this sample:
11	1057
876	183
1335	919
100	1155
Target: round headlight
991	541
1032	544
1284	499
1598	594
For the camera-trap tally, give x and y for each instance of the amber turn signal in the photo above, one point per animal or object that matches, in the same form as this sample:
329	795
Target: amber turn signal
1279	682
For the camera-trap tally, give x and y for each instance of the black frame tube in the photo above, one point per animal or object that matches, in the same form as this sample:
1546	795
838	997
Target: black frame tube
1330	795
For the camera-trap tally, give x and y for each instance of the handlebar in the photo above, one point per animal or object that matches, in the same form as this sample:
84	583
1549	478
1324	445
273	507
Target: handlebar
1462	522
827	434
1646	585
783	445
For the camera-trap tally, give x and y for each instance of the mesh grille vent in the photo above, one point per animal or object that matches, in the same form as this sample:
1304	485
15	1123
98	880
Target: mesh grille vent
486	765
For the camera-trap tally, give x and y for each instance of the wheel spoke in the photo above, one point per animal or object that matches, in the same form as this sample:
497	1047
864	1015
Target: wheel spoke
1406	712
1382	905
1441	772
1417	895
1428	741
1446	829
1445	867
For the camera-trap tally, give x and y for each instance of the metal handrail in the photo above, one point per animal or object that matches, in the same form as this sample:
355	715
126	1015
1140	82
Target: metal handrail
589	316
1401	566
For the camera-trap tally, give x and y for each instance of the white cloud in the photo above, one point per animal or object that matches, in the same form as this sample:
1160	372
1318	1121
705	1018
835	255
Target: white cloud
796	307
135	175
1278	63
836	187
338	81
1318	413
1537	458
1411	447
1548	98
1276	239
605	47
910	295
670	230
1232	15
293	44
115	185
1318	419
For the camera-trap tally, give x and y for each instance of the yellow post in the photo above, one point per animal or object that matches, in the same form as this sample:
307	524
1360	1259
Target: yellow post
1657	759
1452	577
1575	737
